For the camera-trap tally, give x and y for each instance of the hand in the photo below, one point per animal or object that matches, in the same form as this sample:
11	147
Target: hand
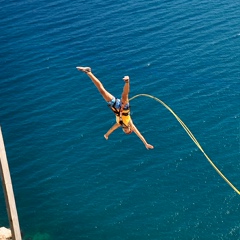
106	137
149	146
126	78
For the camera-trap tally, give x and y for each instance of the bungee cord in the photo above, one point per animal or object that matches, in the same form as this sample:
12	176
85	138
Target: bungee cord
190	135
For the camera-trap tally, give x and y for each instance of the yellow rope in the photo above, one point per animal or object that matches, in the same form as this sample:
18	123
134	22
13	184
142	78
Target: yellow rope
191	136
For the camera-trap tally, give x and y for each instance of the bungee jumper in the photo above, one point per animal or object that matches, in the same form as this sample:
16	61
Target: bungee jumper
120	107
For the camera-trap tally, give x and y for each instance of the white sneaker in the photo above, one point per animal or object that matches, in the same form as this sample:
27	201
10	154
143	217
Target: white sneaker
84	69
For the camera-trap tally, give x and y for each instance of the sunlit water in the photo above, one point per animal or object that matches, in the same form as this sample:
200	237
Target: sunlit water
69	182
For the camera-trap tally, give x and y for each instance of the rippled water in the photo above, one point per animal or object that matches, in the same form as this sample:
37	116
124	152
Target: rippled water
70	182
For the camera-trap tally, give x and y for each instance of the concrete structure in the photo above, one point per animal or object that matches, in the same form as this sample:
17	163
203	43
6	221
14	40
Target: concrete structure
5	234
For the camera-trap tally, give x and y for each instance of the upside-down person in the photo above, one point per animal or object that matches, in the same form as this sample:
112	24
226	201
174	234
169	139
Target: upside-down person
120	107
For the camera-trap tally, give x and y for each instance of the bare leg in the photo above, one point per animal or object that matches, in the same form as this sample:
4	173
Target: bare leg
105	94
126	90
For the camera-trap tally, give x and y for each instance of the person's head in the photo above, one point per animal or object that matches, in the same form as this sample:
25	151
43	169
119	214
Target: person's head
127	130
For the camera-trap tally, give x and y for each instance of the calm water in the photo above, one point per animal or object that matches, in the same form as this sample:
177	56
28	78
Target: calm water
69	182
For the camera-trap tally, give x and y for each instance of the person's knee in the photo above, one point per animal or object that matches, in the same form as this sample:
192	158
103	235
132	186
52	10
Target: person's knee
102	90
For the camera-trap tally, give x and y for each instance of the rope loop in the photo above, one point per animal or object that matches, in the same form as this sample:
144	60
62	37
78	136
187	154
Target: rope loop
190	135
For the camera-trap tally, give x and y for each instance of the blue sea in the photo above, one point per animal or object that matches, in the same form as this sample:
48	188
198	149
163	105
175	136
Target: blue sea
69	182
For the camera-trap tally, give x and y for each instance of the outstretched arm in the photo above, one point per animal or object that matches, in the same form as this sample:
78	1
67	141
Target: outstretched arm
134	128
113	128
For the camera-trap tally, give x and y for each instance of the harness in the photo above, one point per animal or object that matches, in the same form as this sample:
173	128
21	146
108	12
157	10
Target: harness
120	112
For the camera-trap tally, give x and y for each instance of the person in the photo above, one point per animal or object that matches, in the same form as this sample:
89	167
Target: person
120	107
